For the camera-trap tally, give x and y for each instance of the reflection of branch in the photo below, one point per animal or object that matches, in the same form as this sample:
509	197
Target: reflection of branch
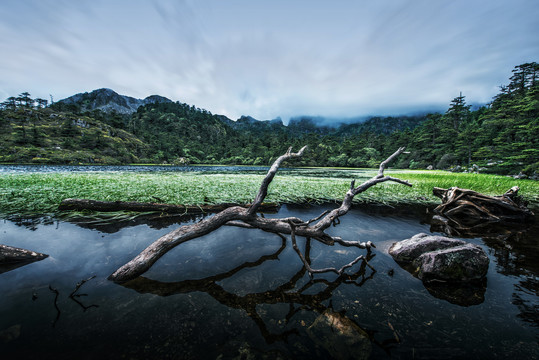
329	269
55	305
285	293
73	295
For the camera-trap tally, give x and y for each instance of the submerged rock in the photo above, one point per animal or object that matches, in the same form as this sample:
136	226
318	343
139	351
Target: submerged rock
10	334
340	336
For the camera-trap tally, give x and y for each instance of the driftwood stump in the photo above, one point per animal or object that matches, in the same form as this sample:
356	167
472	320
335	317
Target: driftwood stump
469	206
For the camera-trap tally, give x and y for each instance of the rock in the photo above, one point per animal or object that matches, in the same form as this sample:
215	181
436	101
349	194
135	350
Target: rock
340	336
439	258
462	263
408	250
450	269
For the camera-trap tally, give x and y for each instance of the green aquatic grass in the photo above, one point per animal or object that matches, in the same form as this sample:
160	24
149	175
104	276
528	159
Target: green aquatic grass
40	193
487	184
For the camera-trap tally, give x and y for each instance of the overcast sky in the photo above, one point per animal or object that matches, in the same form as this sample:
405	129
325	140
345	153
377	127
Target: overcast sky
273	58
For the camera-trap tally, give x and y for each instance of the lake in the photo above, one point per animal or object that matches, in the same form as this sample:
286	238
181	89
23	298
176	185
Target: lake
206	169
128	168
240	293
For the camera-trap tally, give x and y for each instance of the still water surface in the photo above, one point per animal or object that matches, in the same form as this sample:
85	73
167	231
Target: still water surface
240	293
124	168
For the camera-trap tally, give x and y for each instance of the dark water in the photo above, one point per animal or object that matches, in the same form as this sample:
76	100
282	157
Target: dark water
244	294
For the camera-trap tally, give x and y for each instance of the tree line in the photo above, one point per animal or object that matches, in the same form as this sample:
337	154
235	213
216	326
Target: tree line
501	137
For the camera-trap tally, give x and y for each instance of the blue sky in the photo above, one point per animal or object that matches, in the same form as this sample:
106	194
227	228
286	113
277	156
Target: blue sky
269	58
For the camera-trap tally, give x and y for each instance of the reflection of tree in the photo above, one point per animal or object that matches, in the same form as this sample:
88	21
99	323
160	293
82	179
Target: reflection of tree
517	256
514	246
287	293
113	222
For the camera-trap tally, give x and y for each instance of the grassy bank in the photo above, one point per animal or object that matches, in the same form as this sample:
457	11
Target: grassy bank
40	193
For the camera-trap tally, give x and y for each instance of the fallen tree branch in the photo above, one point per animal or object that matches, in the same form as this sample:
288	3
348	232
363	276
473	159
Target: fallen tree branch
269	177
12	257
239	216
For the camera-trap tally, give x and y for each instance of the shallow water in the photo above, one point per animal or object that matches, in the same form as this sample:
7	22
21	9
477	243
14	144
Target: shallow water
240	293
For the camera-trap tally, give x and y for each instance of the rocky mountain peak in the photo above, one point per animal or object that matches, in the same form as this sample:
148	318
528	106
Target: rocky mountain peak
108	100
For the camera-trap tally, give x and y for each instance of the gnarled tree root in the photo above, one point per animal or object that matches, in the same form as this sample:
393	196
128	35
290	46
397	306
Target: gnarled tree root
470	207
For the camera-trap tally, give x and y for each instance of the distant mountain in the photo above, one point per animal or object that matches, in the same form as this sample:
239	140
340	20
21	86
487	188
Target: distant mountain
381	125
108	100
248	122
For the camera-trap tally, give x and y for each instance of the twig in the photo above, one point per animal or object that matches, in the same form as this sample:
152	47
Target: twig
74	294
55	291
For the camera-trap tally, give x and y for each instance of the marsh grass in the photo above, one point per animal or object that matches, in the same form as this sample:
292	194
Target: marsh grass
40	193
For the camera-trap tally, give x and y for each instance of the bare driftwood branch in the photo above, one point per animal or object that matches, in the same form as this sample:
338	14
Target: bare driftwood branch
269	177
239	216
12	257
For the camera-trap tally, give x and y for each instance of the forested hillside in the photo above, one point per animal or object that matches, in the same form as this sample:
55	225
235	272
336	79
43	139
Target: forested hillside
501	137
30	134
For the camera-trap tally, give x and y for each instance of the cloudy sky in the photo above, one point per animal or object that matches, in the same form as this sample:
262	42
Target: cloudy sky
273	58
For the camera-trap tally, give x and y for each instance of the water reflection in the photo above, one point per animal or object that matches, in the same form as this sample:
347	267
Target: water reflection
516	249
244	293
296	297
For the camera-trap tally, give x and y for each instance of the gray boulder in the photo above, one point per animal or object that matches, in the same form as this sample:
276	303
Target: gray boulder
439	258
406	251
455	264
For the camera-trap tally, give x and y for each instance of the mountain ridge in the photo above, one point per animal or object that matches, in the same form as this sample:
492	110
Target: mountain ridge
87	128
108	100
